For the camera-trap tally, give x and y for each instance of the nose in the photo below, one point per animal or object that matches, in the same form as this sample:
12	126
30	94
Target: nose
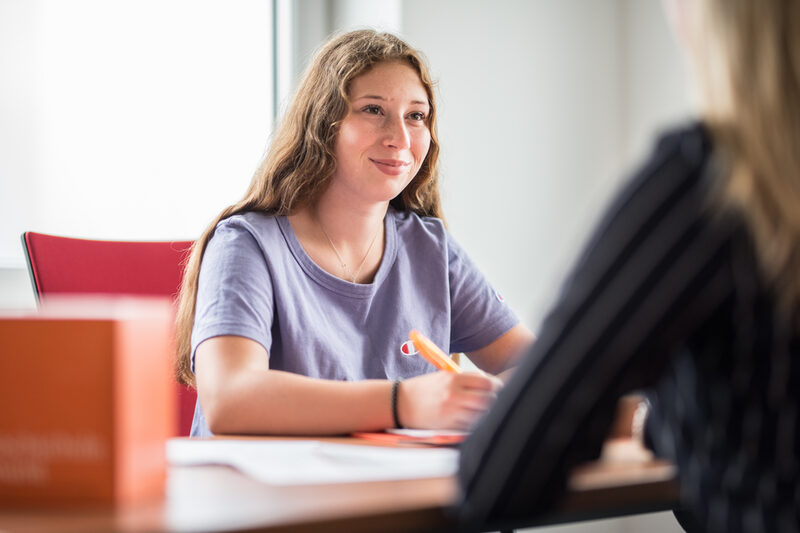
396	134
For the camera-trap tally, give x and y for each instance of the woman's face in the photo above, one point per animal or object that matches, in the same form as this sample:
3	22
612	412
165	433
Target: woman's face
384	138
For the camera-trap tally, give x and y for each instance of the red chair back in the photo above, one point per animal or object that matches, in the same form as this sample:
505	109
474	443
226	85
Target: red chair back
61	265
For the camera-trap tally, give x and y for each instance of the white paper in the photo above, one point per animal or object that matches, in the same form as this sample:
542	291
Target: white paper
309	462
428	433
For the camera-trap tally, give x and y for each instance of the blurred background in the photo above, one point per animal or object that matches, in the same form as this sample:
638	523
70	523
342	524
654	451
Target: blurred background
142	119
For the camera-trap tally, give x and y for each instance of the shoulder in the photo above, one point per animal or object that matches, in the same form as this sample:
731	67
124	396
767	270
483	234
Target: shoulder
672	184
688	146
424	238
410	222
249	225
430	232
251	222
417	230
244	234
675	168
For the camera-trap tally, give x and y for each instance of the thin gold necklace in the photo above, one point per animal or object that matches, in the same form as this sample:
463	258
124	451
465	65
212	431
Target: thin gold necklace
339	256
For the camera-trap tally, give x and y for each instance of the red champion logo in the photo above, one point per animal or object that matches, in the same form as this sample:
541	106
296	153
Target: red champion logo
408	348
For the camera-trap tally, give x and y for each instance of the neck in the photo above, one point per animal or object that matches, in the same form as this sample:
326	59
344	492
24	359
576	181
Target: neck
347	242
349	227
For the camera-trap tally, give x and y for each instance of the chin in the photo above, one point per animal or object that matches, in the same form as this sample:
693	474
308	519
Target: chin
391	189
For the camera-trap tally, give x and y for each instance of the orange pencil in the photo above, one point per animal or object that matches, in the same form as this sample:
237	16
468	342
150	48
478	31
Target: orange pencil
432	353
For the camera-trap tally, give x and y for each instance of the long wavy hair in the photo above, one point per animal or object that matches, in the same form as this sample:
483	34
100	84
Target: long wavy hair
299	163
746	55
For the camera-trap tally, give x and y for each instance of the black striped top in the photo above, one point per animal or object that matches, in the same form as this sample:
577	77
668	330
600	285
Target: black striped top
667	296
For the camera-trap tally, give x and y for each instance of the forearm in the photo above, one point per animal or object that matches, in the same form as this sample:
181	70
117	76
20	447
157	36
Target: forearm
276	402
505	375
502	355
240	394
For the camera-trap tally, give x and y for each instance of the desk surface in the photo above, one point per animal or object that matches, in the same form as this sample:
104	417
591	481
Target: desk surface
218	498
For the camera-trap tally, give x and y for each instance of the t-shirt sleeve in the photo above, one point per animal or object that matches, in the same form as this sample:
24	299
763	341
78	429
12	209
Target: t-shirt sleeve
234	295
479	314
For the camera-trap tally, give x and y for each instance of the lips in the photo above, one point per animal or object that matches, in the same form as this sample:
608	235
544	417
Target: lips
391	166
390	162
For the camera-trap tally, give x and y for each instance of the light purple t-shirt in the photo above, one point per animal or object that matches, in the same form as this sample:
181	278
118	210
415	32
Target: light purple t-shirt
256	281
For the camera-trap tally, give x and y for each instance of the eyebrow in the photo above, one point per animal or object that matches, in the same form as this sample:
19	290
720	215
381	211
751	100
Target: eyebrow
378	97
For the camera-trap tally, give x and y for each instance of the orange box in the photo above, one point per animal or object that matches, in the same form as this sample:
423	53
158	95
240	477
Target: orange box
86	401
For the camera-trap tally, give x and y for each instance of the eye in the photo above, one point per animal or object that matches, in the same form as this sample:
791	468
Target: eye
418	116
372	109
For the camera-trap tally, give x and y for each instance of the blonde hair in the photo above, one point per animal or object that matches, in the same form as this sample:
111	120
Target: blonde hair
300	161
747	60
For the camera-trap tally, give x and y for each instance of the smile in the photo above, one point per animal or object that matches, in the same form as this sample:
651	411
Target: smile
392	167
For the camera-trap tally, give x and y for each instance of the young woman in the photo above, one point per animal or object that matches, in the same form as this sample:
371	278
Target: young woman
297	302
690	285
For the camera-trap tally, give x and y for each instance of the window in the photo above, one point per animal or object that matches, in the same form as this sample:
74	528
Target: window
129	119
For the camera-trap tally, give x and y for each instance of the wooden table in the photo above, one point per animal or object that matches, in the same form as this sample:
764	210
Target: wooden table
218	498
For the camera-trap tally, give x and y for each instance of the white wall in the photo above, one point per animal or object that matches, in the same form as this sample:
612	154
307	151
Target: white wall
656	87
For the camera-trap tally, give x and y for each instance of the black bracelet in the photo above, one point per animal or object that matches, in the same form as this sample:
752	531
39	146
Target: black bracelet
397	423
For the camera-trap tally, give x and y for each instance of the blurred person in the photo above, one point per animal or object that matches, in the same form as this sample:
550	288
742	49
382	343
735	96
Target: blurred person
689	286
298	300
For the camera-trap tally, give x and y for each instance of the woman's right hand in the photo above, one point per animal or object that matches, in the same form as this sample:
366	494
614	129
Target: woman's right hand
445	400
